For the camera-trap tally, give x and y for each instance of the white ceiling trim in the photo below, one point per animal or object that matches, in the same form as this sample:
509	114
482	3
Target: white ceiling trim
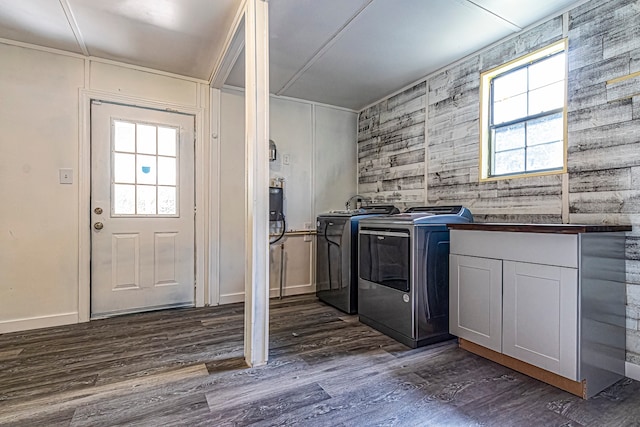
327	45
66	7
233	46
100	60
146	69
232	88
42	48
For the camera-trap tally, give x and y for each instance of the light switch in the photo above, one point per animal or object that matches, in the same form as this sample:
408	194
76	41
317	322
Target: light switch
66	176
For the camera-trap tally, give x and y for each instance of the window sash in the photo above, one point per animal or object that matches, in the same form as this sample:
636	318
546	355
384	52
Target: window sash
523	119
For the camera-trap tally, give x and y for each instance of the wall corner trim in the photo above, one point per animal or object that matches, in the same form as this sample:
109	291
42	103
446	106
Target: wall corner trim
631	370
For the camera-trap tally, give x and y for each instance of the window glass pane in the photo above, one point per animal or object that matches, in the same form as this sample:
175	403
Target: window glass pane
167	170
124	136
509	137
123	199
546	98
510	109
124	168
146	169
545	156
146	202
548	71
509	85
146	139
167	200
509	162
167	141
545	129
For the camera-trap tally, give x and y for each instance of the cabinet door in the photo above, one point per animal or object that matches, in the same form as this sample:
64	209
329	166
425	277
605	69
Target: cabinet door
541	316
475	295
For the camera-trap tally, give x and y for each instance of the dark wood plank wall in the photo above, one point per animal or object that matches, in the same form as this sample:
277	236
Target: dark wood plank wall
603	113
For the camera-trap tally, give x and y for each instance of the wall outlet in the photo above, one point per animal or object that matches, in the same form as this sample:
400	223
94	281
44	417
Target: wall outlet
307	225
286	159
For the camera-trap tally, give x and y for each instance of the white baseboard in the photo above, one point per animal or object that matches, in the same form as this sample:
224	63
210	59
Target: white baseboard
25	324
631	370
231	298
292	290
273	293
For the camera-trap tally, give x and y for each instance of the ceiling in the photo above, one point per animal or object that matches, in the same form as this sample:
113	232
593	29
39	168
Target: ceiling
348	53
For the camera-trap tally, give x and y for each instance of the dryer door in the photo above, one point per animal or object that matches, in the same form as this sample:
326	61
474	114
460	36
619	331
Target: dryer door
385	257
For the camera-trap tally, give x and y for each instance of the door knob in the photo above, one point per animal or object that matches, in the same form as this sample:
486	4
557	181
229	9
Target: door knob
98	211
98	226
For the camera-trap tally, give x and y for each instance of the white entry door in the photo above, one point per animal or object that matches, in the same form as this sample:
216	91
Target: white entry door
142	209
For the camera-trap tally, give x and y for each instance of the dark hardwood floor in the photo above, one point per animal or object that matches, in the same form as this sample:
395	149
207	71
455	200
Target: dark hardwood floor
186	367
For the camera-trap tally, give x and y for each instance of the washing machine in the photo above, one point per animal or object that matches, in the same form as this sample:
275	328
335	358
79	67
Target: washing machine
336	254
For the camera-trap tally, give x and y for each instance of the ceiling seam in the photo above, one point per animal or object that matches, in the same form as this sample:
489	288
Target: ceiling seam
323	49
494	14
71	19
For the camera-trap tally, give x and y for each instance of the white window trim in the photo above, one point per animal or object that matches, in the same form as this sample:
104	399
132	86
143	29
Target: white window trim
485	99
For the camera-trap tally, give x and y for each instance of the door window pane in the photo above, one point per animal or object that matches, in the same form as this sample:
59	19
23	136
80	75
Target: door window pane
124	197
167	200
167	141
146	199
166	170
146	169
146	139
124	168
124	136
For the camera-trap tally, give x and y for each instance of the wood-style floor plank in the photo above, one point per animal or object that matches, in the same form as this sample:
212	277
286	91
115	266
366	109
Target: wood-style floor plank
186	367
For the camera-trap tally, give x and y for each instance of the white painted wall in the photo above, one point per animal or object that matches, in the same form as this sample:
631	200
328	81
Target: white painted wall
335	157
40	260
40	218
232	183
320	142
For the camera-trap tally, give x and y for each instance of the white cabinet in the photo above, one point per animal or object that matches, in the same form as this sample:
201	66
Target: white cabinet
476	300
550	304
540	316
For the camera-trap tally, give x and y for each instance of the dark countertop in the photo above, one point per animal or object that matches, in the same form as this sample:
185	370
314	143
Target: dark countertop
541	228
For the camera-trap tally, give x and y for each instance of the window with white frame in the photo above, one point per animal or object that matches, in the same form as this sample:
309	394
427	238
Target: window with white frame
523	115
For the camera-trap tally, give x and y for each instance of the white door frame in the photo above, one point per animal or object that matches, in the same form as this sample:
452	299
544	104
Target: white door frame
202	184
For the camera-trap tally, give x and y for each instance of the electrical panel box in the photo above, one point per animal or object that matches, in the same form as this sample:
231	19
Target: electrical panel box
275	204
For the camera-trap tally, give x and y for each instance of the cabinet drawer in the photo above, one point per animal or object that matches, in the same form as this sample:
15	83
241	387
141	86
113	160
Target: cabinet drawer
537	248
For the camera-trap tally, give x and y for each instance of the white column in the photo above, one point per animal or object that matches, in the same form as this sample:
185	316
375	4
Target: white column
256	327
